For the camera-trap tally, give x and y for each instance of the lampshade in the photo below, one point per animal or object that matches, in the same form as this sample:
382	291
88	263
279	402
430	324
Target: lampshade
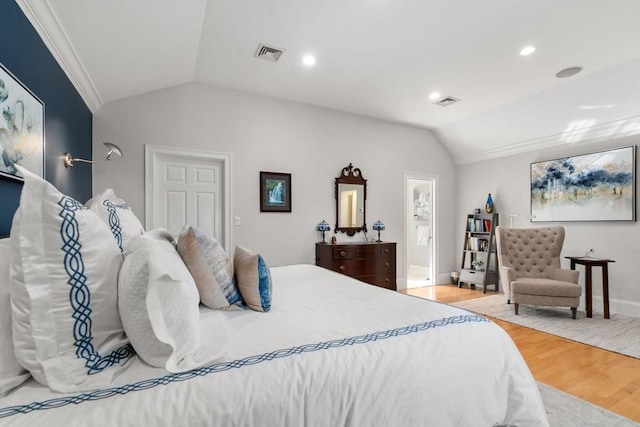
323	226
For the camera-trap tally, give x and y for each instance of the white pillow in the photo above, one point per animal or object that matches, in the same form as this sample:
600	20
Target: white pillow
254	279
211	269
116	214
11	373
159	304
66	327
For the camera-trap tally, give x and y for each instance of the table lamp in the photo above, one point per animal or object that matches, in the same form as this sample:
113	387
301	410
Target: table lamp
323	226
378	226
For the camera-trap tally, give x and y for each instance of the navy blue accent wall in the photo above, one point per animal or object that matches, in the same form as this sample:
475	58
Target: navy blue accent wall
68	121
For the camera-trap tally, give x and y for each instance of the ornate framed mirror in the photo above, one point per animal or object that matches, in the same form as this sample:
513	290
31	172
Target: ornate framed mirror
351	201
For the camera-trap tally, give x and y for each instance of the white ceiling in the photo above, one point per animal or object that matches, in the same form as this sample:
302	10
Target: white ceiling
377	58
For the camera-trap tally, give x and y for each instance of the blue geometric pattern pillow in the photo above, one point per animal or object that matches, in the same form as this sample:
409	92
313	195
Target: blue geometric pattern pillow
211	269
66	326
254	279
122	222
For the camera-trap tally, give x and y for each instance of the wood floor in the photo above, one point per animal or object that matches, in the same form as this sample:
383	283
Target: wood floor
604	378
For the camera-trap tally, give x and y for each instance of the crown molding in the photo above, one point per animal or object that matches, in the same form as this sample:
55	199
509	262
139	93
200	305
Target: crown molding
47	25
612	130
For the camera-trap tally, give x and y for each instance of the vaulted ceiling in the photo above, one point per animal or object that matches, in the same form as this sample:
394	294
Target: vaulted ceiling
377	58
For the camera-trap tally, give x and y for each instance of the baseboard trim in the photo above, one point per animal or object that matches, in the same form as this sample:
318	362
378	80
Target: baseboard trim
626	308
444	279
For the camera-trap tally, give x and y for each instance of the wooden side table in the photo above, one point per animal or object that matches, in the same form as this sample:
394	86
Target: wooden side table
588	263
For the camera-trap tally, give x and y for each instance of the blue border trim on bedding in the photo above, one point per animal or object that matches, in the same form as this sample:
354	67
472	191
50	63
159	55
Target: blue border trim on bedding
247	361
114	220
80	294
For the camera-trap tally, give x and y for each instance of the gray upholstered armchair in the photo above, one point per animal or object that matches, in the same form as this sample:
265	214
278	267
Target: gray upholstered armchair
529	264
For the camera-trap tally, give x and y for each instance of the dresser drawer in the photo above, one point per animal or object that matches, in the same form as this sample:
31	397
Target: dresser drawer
359	267
382	280
343	252
375	251
382	265
365	251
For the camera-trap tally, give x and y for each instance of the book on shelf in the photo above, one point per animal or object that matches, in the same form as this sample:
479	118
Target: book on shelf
478	225
476	244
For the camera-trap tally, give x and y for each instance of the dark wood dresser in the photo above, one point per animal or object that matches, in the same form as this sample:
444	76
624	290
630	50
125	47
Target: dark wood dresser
373	263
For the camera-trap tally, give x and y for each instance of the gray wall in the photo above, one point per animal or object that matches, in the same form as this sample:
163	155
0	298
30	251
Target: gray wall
313	144
508	181
267	134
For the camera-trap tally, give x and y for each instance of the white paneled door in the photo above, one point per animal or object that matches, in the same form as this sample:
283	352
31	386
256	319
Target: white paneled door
187	187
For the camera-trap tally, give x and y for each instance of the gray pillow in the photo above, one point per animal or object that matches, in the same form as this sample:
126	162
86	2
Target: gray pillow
211	269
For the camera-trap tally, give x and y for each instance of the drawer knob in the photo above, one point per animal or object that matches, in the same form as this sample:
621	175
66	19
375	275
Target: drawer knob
386	264
386	251
343	253
342	268
386	280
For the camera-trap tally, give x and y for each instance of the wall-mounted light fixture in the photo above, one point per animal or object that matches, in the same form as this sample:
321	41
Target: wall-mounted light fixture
113	149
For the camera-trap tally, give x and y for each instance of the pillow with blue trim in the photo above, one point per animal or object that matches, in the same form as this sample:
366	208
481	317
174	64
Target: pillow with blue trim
254	279
211	269
12	374
64	304
122	222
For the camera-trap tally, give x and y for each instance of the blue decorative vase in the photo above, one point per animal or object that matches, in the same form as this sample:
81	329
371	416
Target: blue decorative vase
489	206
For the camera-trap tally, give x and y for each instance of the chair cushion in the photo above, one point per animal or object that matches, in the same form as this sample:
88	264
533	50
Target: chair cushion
545	287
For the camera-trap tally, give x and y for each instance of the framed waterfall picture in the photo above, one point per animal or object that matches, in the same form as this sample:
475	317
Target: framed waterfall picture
275	192
590	187
21	128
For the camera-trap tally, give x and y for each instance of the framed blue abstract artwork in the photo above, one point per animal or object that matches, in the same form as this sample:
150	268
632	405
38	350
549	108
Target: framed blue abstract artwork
589	187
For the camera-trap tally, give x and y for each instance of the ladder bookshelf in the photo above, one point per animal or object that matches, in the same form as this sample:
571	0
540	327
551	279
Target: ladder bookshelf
479	261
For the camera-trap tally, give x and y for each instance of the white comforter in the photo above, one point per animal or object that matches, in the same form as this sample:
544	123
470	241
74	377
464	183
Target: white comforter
332	352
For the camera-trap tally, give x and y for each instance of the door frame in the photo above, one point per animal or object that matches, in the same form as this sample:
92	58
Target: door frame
151	153
434	228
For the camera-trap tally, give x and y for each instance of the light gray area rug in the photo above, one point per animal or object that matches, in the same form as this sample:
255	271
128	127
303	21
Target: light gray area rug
565	410
620	333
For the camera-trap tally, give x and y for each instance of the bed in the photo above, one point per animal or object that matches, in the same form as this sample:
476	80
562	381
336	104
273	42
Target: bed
329	350
332	352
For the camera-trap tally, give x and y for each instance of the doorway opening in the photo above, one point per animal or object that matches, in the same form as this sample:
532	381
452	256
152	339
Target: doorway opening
420	235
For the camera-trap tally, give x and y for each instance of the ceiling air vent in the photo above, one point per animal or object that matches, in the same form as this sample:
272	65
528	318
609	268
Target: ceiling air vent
447	100
268	53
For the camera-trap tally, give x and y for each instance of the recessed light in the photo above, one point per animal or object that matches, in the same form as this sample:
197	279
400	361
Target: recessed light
527	50
434	95
568	72
309	60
